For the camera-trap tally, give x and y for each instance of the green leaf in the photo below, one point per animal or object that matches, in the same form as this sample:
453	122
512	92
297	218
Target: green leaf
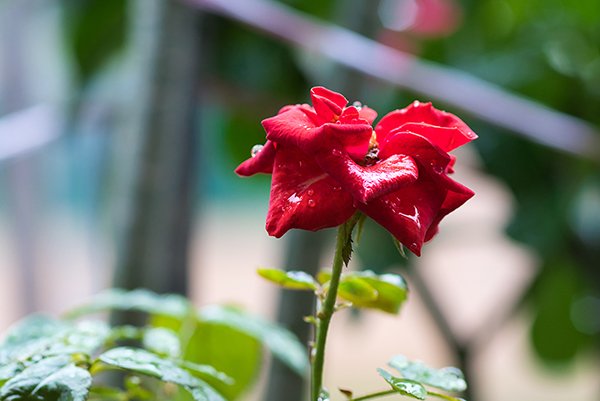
443	396
356	290
50	379
146	363
40	337
448	378
323	395
125	333
95	31
406	387
391	290
31	328
281	342
162	341
85	336
365	289
228	350
137	300
323	276
293	280
206	372
102	393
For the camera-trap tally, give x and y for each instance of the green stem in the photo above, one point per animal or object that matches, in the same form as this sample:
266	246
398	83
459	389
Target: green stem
375	395
326	311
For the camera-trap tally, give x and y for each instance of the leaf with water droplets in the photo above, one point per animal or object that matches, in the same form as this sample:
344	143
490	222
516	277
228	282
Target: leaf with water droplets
38	337
52	378
356	290
323	395
391	290
406	387
365	289
147	363
206	372
448	378
162	341
292	280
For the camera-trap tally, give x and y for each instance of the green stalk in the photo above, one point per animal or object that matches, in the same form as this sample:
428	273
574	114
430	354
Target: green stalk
326	311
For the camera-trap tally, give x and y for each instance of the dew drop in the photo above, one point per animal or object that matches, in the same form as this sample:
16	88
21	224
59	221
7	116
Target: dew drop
436	168
310	192
336	152
256	149
357	104
311	203
337	188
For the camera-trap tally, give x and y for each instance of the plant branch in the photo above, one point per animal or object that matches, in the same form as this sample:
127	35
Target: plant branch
327	309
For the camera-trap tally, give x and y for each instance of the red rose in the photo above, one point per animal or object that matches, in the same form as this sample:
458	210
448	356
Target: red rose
327	161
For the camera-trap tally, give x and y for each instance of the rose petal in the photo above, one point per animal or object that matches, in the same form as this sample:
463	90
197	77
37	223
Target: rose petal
262	162
364	113
456	196
450	166
327	103
303	196
425	113
420	148
446	138
294	128
368	182
367	113
409	212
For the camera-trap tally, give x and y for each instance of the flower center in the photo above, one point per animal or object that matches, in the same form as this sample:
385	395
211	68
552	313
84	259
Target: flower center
372	154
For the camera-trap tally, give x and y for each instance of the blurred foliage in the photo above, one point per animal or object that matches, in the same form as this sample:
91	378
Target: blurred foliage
94	31
548	50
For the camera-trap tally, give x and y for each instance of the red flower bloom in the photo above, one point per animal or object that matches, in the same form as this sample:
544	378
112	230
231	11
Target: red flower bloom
327	161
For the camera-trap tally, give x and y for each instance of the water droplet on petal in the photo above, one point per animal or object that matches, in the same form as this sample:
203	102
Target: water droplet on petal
311	203
337	188
436	168
256	149
310	192
357	104
336	152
